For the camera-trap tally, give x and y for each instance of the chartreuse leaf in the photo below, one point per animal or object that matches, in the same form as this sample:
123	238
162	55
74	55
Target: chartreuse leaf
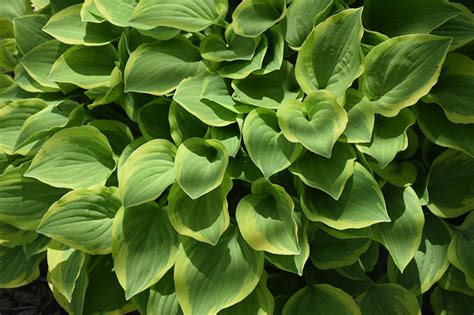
265	219
11	9
230	136
455	280
184	125
127	151
328	252
388	298
15	269
142	237
251	18
450	184
90	13
67	27
321	299
270	151
210	278
316	123
448	302
404	16
430	261
402	236
301	17
204	218
294	263
147	172
454	91
82	219
76	305
360	205
64	268
188	96
28	33
361	118
39	61
118	12
273	59
23	200
327	174
86	67
267	91
331	57
76	157
200	166
461	248
440	130
389	137
157	68
186	15
401	70
11	236
260	301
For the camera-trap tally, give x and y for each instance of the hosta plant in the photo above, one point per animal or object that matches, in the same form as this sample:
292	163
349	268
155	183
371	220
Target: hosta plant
239	157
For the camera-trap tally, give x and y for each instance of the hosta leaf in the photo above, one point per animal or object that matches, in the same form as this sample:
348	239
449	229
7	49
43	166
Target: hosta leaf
200	166
76	157
460	27
15	269
388	298
117	133
127	151
147	172
316	123
157	68
64	268
454	90
450	184
361	119
204	218
67	27
270	151
321	299
273	58
301	17
28	32
86	67
184	125
401	70
389	137
402	236
327	174
430	261
38	246
142	237
230	136
455	280
82	219
90	13
461	248
360	205
448	302
188	96
265	219
153	120
393	18
251	18
162	297
331	57
23	200
118	12
186	15
11	236
206	283
11	9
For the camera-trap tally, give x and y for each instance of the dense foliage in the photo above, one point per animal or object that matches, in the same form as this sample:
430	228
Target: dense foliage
263	156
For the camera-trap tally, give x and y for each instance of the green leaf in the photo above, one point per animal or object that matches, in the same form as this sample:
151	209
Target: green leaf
230	136
206	218
200	166
28	32
360	205
455	280
460	27
273	59
184	125
23	200
210	278
11	236
447	302
461	248
265	219
361	118
158	68
15	269
402	236
117	133
153	120
450	184
401	70
76	157
64	268
82	219
162	298
316	123
147	172
186	15
90	13
86	67
253	17
142	237
67	27
393	17
10	9
388	298
389	137
270	151
118	12
38	246
321	299
331	57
